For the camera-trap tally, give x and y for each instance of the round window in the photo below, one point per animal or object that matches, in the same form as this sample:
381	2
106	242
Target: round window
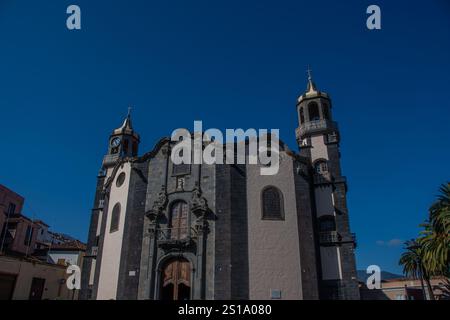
120	179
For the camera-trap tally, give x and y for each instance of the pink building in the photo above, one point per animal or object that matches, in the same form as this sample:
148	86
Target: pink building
18	233
10	203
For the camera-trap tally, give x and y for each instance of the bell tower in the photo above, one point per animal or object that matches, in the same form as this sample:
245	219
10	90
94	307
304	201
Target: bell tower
318	139
123	142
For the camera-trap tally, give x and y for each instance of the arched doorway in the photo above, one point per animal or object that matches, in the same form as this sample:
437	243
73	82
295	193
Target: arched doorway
176	280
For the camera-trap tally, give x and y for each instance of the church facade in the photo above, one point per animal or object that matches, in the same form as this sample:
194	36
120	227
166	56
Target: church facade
222	231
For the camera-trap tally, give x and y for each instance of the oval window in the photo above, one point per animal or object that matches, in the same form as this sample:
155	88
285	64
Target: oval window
120	179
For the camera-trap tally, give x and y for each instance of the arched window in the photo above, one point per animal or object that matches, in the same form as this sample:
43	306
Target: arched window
178	220
272	204
325	111
327	224
313	110
302	116
321	166
115	218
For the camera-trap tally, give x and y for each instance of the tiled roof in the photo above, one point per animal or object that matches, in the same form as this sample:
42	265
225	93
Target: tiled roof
71	245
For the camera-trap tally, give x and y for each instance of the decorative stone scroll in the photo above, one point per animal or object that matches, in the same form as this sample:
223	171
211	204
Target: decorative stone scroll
199	205
158	206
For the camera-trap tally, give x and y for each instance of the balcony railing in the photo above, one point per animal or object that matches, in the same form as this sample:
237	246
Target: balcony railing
333	237
329	237
315	126
110	159
175	236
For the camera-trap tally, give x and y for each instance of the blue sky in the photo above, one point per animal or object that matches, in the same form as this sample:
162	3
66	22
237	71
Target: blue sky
232	64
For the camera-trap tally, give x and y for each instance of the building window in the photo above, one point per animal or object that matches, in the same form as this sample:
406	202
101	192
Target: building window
28	236
321	166
115	218
272	204
178	220
302	116
180	183
11	209
313	110
327	224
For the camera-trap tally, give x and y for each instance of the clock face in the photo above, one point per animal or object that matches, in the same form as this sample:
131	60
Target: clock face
115	142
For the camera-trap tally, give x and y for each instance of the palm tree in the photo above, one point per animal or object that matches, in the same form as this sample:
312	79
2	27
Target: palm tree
440	218
429	255
435	237
413	267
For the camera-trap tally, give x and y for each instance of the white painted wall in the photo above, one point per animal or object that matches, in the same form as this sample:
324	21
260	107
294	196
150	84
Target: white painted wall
275	239
112	245
330	256
319	149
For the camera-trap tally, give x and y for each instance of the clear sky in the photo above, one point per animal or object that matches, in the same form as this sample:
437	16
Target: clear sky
232	64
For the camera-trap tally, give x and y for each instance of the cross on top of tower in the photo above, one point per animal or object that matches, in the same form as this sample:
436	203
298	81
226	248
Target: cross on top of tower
309	72
311	85
129	111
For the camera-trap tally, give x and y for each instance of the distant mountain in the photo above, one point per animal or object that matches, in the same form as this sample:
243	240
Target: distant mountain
363	275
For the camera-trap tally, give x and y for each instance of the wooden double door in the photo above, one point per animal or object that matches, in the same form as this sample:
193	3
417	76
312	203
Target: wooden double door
176	280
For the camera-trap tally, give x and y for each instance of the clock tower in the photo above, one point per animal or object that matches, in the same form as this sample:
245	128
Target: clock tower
123	143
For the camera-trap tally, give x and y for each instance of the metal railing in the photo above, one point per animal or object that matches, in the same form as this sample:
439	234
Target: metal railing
329	237
110	158
174	234
316	125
